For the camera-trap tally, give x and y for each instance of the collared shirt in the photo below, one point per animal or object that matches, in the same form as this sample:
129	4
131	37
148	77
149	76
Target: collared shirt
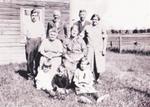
81	25
34	30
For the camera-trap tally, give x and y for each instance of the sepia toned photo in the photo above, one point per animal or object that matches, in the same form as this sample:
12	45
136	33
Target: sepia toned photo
74	53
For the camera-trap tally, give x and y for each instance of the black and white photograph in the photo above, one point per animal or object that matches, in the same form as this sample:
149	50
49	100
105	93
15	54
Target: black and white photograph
74	53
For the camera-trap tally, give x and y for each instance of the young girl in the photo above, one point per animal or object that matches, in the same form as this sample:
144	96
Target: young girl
51	50
83	78
75	49
84	81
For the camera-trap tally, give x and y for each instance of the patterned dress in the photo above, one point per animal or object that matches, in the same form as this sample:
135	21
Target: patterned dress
75	49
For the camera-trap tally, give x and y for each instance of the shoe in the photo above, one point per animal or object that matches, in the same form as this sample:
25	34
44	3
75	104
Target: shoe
61	90
85	100
52	93
100	99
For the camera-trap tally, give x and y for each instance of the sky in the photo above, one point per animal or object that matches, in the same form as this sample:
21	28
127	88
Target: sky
117	14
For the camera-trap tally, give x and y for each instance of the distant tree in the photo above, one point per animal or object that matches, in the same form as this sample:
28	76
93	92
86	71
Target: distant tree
141	31
112	31
145	30
126	31
116	32
119	31
135	31
148	30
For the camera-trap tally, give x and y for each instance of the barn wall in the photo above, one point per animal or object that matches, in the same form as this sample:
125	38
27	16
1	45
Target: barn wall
11	40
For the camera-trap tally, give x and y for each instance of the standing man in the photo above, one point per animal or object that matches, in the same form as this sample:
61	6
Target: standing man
34	33
59	25
82	23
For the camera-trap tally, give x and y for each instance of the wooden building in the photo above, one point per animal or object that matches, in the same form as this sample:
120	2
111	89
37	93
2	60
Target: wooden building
11	22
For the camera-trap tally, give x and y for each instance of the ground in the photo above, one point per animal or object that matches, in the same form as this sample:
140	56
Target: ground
126	80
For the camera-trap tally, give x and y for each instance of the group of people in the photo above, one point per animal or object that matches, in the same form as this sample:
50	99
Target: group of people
61	58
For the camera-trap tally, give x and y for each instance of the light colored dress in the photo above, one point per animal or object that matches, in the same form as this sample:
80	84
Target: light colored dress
96	44
48	67
83	80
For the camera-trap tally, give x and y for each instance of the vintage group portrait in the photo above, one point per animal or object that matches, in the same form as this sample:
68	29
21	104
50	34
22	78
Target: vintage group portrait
74	53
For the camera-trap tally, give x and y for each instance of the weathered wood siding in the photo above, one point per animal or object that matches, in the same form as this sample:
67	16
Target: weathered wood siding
11	45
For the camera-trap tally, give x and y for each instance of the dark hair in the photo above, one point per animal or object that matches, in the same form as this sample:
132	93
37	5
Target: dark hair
84	59
53	30
34	11
72	27
95	15
82	11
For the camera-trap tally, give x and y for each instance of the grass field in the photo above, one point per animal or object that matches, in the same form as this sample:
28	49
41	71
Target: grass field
126	80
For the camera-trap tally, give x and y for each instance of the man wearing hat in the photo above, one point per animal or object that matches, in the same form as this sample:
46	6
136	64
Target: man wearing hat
34	32
59	25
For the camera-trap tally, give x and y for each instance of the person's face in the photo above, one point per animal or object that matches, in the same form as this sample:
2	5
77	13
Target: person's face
56	18
83	65
52	36
74	32
95	21
34	17
82	16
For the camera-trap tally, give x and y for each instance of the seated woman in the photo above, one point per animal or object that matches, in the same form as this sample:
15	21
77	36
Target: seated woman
75	49
51	50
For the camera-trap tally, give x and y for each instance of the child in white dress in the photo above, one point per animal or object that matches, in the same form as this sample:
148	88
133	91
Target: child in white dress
84	81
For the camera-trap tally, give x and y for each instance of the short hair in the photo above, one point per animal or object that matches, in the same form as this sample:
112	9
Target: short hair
95	15
57	12
84	59
53	30
34	11
83	10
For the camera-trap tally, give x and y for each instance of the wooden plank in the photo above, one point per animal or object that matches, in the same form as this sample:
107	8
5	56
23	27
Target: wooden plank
9	13
10	17
9	32
13	50
10	45
12	54
10	40
11	36
10	28
9	25
10	21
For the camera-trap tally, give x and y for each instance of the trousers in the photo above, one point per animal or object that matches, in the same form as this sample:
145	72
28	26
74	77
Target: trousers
32	55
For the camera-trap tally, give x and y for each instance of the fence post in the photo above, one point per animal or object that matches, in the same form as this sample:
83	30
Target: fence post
120	43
